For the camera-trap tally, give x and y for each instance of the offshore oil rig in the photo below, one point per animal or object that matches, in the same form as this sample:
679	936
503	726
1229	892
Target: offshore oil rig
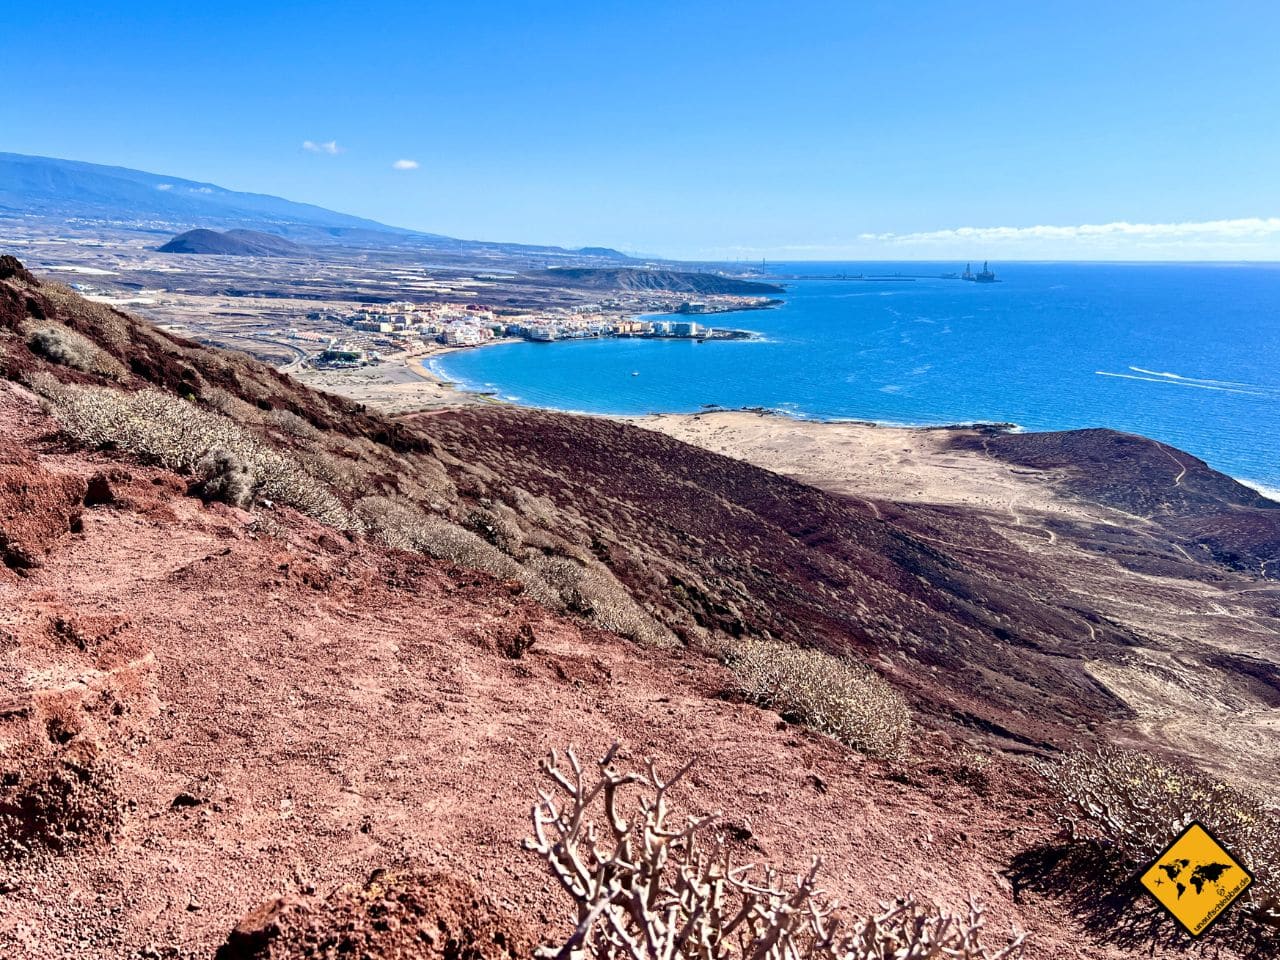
982	276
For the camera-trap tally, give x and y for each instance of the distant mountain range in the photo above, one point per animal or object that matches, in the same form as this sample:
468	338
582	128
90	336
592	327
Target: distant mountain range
631	278
233	243
67	190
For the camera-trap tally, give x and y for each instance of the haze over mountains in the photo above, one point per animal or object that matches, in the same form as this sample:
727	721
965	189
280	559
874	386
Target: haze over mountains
43	186
622	278
233	243
70	190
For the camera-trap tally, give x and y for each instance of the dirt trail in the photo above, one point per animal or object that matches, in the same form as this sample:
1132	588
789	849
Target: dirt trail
1090	548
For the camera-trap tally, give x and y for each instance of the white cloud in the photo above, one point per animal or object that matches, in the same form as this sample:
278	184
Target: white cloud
405	165
164	186
1242	238
1247	230
327	146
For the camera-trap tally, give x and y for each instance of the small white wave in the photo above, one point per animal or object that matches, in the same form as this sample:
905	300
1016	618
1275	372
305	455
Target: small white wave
1271	493
1178	377
1181	383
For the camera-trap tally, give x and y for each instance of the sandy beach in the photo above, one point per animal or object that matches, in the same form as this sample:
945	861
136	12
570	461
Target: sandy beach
910	464
913	464
397	384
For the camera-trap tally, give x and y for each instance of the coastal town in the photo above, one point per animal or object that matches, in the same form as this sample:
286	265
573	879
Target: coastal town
378	329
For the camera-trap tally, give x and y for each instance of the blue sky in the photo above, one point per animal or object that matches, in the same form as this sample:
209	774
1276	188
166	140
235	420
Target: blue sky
787	130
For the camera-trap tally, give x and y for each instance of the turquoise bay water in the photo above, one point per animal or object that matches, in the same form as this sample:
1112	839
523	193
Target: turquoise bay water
1187	354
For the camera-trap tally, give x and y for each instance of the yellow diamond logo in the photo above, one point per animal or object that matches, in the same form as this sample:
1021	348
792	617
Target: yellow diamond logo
1195	879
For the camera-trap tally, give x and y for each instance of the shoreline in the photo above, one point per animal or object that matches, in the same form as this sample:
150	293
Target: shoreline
461	390
402	384
466	393
398	384
389	385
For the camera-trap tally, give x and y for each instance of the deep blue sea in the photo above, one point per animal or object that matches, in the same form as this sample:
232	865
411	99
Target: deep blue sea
1187	354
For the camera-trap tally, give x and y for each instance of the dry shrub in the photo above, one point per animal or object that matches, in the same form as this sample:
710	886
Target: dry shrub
403	526
161	429
842	698
104	324
62	346
68	348
449	542
221	475
539	511
495	527
1136	804
228	403
332	469
400	526
647	886
289	423
595	593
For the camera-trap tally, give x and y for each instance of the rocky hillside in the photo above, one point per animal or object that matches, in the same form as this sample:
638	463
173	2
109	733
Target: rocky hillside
668	543
666	281
1209	513
261	643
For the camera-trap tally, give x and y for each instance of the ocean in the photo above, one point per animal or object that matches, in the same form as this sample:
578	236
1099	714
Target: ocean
1188	354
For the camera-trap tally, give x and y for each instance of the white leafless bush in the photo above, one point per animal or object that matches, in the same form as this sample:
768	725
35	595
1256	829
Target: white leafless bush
648	886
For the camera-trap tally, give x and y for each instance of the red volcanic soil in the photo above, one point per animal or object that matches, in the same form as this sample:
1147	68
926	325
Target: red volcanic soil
265	709
993	644
215	719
